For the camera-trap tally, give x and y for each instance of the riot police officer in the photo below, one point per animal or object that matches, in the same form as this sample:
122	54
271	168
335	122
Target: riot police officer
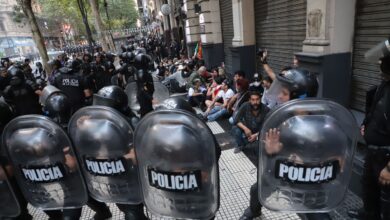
58	107
184	162
115	97
76	87
122	187
145	86
101	75
376	132
21	94
295	84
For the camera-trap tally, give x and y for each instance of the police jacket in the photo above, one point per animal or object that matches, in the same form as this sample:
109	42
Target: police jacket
377	121
73	86
23	98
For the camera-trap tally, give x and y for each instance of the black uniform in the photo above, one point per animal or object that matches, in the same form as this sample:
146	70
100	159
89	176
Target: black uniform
23	98
376	197
101	75
73	86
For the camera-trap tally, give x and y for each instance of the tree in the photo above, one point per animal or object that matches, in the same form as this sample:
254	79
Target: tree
84	14
123	13
99	24
36	33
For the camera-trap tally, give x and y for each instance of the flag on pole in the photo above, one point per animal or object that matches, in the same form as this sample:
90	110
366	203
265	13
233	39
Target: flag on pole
200	51
196	49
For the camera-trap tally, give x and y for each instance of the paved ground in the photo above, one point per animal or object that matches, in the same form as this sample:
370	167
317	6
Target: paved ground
237	174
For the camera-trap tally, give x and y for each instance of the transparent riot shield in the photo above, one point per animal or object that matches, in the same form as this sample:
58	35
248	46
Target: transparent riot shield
306	153
45	166
178	165
161	93
9	205
103	140
46	92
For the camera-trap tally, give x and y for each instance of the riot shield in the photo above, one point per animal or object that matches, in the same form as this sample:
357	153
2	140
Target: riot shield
46	92
161	93
103	140
44	163
177	164
9	205
306	153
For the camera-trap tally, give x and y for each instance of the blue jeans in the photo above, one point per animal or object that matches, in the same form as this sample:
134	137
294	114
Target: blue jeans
216	113
239	136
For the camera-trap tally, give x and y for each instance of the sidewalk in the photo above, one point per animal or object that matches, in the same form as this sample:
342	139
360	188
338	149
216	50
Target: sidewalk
237	174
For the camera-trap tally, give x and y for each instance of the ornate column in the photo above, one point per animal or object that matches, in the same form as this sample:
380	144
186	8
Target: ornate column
327	48
211	32
191	26
244	41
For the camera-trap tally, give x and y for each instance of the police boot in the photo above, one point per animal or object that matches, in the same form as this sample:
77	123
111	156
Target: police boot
249	215
361	214
102	215
135	216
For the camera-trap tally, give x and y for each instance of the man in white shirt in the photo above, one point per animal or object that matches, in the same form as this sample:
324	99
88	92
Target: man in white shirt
226	93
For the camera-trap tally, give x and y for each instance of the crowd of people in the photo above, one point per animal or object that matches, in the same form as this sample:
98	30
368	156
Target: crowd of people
244	99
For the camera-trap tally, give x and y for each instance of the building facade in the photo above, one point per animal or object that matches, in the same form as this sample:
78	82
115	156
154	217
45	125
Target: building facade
328	37
16	38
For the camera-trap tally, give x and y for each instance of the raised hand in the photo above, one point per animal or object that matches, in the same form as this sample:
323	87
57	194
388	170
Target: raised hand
272	141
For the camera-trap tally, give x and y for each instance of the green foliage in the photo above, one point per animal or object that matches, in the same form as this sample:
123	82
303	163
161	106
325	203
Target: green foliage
122	13
17	14
64	11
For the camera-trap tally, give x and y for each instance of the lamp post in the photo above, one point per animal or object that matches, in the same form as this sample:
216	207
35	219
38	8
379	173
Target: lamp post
166	11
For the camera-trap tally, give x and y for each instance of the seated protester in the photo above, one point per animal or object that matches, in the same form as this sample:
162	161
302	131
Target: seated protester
239	98
238	75
213	88
204	75
248	121
193	74
266	83
256	84
196	97
177	80
215	112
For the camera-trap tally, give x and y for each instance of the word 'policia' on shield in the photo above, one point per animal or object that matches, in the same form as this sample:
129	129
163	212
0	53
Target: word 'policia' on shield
101	167
43	174
171	181
299	173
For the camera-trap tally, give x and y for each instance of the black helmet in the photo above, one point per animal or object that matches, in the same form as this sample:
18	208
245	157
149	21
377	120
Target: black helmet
65	70
191	65
87	57
385	65
142	61
130	48
110	57
16	75
58	108
54	63
38	64
112	96
6	114
130	56
74	65
299	82
176	103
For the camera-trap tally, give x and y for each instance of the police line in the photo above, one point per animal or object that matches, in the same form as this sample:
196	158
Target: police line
170	161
